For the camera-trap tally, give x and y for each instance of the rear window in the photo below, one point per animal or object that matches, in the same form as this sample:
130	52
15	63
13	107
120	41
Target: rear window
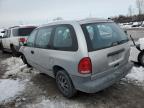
23	31
103	35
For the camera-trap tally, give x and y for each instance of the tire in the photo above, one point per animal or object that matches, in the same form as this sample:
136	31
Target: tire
141	58
65	84
14	52
2	48
25	61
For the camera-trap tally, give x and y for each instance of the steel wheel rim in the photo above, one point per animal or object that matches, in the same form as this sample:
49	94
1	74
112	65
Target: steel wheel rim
63	84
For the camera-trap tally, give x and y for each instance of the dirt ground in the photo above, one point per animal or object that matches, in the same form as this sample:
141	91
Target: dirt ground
3	66
41	87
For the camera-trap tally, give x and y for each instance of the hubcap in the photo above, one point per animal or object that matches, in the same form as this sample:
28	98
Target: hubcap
63	84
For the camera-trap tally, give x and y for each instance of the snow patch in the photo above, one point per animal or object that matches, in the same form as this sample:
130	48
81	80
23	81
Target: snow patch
136	75
134	52
14	72
16	68
13	63
10	88
55	104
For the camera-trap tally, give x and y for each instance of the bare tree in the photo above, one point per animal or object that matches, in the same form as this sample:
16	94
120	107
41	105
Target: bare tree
130	11
140	6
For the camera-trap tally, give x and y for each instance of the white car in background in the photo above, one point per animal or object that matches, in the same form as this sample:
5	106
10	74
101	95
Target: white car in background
137	51
1	36
136	24
1	33
15	37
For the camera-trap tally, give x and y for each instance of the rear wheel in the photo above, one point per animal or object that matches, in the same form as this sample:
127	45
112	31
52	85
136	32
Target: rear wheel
2	48
141	58
65	84
25	61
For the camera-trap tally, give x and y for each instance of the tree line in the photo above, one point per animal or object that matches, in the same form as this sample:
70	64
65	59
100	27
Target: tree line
131	17
126	19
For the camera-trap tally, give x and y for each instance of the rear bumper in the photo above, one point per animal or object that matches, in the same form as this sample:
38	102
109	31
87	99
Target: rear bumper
89	85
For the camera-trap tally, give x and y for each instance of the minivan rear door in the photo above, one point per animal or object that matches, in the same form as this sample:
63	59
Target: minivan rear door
109	58
107	45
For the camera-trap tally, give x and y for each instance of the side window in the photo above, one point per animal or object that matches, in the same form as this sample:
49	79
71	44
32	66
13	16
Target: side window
65	38
9	33
43	37
15	32
31	39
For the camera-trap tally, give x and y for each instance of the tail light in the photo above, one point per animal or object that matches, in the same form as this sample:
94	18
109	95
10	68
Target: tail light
23	40
85	66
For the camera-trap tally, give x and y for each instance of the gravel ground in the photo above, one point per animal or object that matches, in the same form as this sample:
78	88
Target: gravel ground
41	92
3	66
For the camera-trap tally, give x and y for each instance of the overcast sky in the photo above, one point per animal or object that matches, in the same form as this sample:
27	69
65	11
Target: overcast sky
13	12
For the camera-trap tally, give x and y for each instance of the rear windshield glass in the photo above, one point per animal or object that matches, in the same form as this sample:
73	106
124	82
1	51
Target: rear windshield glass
103	35
23	31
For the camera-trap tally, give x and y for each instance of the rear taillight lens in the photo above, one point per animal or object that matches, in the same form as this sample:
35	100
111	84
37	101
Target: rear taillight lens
23	40
85	66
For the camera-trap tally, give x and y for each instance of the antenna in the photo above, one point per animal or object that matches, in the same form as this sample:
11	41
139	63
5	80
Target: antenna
132	40
137	46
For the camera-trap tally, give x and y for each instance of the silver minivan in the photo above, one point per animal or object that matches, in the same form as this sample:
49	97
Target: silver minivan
87	55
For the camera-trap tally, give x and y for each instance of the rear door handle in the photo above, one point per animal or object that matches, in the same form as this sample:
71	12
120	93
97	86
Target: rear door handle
116	65
32	52
116	52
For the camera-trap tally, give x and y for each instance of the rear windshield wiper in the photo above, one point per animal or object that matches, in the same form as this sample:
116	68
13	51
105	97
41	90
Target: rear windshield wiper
123	41
115	43
119	42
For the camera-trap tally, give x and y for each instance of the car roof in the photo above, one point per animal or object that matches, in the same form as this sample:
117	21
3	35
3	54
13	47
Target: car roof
93	20
84	21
